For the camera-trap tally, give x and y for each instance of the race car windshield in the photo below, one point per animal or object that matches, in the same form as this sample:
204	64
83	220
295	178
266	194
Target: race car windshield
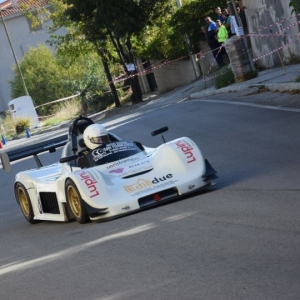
112	152
100	139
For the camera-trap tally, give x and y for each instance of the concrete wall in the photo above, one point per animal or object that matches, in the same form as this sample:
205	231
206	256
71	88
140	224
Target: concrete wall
171	75
22	37
208	63
260	14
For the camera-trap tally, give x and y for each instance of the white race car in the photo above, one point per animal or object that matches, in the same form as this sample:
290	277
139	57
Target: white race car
114	179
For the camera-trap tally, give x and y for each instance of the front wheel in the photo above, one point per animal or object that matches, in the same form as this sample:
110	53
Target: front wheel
75	203
23	199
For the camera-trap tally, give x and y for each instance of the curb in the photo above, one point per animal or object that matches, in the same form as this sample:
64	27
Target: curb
274	87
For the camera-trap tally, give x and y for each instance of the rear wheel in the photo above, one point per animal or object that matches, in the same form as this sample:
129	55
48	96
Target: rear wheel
24	201
75	203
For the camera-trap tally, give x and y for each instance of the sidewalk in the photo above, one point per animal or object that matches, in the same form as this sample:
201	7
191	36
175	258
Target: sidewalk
275	79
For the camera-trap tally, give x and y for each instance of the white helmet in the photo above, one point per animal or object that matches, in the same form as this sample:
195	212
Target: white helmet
95	135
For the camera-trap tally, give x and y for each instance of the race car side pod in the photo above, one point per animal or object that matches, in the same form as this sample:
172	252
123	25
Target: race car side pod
159	131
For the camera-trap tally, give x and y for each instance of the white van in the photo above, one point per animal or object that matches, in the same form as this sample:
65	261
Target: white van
23	107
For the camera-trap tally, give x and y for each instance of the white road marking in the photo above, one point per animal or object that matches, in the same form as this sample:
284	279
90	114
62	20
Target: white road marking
251	105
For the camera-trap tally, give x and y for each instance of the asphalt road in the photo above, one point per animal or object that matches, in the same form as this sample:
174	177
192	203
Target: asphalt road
240	240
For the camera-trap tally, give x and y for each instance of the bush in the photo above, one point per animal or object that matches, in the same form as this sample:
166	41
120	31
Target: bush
22	124
8	129
99	102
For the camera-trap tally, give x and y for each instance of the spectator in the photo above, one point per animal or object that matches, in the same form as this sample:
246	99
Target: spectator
222	37
222	32
233	24
204	30
226	22
219	14
212	40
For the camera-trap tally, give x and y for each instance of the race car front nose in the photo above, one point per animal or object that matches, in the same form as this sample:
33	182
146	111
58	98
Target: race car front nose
94	212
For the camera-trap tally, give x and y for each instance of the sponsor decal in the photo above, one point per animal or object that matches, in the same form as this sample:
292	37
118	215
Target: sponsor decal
90	182
122	162
187	149
145	184
58	144
139	185
120	170
113	148
138	164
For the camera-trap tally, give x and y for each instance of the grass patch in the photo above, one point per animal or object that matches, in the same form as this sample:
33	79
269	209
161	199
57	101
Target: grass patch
52	121
224	79
67	110
298	79
8	128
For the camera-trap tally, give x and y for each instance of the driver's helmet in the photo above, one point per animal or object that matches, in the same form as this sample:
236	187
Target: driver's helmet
95	135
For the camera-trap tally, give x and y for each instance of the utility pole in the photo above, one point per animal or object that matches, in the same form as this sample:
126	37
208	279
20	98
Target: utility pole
14	54
187	41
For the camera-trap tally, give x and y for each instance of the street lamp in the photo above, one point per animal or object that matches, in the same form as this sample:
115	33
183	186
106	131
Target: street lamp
13	52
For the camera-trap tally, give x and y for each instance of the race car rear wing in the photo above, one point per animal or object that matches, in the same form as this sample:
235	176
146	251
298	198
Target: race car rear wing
32	150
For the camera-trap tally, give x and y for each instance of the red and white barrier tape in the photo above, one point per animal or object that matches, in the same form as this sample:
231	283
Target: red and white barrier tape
201	55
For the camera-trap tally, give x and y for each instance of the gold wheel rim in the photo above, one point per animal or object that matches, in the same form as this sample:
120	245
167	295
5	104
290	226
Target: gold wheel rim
74	201
24	202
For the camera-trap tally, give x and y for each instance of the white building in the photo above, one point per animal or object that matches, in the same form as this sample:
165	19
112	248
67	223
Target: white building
22	36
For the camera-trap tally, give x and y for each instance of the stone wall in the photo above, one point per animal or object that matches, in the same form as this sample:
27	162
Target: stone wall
260	15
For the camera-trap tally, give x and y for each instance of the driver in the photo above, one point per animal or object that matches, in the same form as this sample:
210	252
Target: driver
95	135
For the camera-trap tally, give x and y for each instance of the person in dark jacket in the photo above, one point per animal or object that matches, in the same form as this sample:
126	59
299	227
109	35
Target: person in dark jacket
212	40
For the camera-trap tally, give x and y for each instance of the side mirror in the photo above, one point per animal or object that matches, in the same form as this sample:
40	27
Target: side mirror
159	131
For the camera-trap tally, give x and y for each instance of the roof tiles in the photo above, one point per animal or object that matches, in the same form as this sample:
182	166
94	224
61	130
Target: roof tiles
7	9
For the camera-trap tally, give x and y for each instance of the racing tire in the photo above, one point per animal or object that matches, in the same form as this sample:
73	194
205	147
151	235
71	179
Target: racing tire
75	203
23	200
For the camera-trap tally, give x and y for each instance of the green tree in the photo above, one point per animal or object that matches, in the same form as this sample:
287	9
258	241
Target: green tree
74	43
190	17
42	73
166	39
117	21
295	4
50	77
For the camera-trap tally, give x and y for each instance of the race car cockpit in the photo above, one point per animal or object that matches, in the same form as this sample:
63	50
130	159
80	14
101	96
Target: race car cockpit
110	152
